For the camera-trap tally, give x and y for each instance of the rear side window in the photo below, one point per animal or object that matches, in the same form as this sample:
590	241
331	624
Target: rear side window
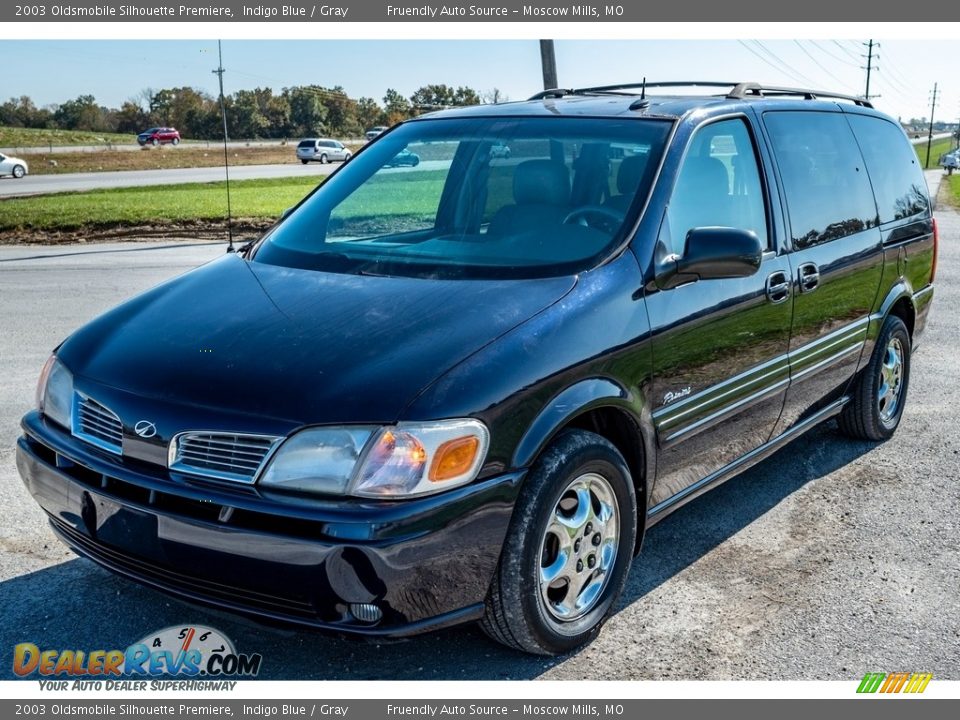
824	176
898	181
306	144
718	185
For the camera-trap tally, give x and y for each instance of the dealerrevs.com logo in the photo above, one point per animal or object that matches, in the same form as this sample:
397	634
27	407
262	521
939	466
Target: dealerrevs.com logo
898	682
190	651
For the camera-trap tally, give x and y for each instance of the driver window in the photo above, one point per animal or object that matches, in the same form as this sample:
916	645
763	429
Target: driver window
718	185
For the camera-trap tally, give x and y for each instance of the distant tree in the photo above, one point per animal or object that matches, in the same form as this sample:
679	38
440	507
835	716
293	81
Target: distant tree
493	96
369	113
308	114
396	107
466	96
433	97
132	118
244	117
82	113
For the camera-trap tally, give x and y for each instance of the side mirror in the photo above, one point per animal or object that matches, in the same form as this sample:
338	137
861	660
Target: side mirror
286	212
713	253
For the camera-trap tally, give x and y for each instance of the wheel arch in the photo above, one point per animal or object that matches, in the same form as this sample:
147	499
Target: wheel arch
608	409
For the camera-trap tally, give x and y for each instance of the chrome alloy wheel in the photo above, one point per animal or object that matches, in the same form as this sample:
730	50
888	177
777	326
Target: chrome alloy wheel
891	381
579	548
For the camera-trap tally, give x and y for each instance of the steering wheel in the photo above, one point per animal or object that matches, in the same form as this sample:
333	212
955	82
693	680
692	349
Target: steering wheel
605	218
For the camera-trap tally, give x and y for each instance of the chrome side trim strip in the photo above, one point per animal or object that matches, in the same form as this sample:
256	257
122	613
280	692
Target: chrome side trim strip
768	447
727	409
826	361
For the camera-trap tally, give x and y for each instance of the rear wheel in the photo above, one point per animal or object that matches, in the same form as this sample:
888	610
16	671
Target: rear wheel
568	550
880	392
323	159
304	161
19	171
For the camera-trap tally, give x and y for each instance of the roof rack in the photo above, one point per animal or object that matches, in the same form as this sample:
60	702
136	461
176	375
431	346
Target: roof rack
739	90
749	89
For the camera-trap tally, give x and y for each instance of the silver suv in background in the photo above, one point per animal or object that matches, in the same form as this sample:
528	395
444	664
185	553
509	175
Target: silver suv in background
322	150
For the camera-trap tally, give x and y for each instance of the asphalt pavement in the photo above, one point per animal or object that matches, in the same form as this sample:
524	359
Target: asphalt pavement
831	559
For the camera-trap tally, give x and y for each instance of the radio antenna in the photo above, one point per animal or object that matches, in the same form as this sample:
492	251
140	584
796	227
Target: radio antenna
226	161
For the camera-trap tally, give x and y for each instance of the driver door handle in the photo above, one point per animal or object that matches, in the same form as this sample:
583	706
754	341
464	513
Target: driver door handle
809	277
778	286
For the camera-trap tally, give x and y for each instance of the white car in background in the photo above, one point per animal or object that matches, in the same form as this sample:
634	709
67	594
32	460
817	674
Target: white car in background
12	166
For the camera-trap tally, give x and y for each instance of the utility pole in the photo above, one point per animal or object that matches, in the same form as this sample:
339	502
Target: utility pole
870	67
226	161
548	61
933	106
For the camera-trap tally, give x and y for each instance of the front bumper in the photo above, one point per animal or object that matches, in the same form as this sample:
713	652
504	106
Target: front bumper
425	563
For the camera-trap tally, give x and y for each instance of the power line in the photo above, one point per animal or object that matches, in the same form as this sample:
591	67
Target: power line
847	52
817	62
835	57
769	62
796	74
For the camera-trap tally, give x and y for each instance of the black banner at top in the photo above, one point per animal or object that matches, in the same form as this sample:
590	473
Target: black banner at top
477	11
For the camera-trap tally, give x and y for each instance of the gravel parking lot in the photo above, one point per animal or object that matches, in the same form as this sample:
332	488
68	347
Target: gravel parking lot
828	560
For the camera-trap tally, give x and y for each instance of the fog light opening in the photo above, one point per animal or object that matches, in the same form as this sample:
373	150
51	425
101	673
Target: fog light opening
366	613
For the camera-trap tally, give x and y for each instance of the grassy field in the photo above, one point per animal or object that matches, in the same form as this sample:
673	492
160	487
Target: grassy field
12	137
150	206
938	148
412	195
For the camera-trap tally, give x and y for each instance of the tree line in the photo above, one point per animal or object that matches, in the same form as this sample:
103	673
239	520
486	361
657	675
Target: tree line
258	113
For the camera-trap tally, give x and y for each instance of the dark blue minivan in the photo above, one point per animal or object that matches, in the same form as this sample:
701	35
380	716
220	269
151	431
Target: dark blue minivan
461	389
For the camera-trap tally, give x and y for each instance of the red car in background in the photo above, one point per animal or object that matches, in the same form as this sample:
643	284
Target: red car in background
158	136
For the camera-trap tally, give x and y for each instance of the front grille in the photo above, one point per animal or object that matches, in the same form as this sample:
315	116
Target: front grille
97	424
226	456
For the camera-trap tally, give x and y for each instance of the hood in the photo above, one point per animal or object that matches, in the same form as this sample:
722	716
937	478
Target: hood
298	345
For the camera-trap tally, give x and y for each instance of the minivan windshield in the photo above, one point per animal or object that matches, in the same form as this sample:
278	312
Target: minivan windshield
477	197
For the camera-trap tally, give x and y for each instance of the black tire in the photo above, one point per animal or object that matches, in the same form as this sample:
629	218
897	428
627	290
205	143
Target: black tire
416	161
176	141
347	156
19	171
323	159
155	142
867	416
304	161
517	613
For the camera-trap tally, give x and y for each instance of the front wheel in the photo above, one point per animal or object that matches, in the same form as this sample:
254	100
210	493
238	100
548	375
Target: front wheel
19	171
176	141
347	156
568	550
880	392
155	142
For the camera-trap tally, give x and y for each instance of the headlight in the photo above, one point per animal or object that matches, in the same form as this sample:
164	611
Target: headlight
405	460
55	392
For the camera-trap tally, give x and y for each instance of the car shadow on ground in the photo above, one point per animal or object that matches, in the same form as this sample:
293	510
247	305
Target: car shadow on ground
76	605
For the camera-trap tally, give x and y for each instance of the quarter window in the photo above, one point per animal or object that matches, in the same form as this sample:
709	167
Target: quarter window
824	176
898	181
718	185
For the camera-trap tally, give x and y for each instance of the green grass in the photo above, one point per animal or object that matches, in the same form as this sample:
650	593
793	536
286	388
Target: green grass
12	137
953	182
253	199
412	194
938	148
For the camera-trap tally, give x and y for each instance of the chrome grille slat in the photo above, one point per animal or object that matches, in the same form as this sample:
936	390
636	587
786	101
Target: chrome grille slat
223	450
97	424
226	445
224	456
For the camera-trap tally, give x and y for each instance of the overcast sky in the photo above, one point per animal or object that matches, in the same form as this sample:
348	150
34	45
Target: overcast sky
115	70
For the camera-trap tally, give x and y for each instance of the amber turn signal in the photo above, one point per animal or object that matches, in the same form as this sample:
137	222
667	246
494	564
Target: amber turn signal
454	458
